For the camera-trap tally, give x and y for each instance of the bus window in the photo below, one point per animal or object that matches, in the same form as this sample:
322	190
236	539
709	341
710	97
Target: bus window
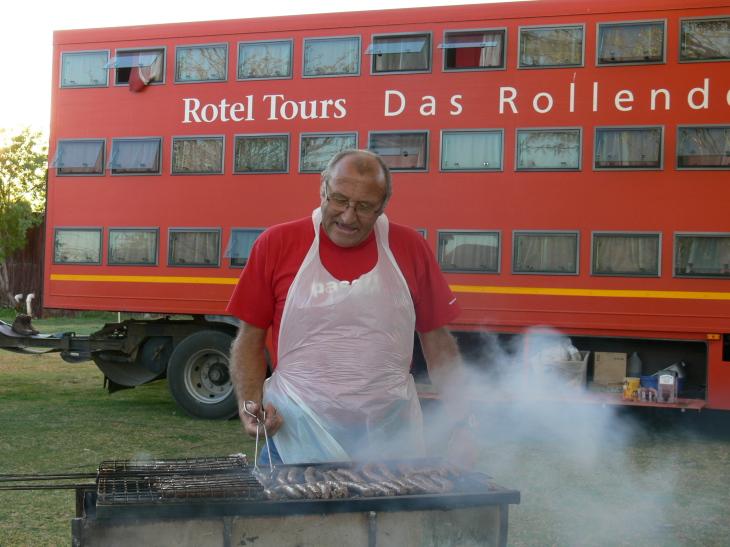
702	255
79	157
133	246
631	43
546	47
545	253
77	246
84	69
240	245
194	247
474	49
703	147
628	148
472	150
705	40
469	251
264	60
622	254
548	149
197	155
400	53
136	156
206	63
332	56
401	151
317	149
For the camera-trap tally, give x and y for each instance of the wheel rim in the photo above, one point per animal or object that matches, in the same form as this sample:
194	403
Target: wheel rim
207	377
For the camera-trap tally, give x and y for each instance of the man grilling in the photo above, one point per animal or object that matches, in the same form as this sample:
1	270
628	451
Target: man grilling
343	291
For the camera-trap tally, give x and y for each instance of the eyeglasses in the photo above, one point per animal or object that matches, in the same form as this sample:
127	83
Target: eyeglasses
361	209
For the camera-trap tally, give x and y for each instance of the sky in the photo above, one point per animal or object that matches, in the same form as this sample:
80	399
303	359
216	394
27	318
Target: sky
28	37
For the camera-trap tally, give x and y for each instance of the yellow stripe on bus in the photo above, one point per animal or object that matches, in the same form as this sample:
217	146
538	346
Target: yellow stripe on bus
686	295
146	279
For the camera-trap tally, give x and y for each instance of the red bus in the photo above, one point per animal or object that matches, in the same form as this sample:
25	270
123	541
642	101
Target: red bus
566	160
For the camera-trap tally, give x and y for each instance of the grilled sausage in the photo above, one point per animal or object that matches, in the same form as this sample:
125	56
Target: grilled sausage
289	491
292	475
359	487
444	483
369	473
349	474
309	475
426	484
281	477
387	473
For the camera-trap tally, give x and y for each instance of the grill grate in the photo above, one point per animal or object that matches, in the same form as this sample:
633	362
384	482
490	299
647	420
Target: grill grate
175	480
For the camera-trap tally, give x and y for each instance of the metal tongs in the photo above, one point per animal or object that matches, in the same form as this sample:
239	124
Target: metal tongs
259	425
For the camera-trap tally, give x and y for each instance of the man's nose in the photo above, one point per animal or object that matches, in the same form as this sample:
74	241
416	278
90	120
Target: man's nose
348	216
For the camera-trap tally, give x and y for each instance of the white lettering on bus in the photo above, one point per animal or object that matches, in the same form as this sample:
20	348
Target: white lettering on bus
457	106
549	103
595	96
503	98
704	91
428	108
655	93
290	109
388	94
572	95
624	96
210	112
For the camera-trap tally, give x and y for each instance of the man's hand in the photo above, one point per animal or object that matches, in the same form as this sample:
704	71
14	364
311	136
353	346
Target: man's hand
252	415
462	450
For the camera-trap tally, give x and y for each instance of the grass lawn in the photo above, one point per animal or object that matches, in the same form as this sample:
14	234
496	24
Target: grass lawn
588	475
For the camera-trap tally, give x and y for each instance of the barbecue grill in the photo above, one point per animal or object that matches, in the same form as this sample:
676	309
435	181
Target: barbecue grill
220	501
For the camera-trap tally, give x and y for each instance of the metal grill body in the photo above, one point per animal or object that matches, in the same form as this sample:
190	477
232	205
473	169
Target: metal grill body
218	501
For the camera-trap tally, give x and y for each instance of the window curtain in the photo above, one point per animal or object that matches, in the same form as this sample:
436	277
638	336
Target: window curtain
470	57
318	151
402	53
132	247
197	156
551	47
631	43
194	248
140	76
626	255
83	246
472	151
84	70
331	57
401	151
470	252
703	256
630	148
705	146
261	154
84	156
548	150
706	40
266	60
546	253
201	63
135	155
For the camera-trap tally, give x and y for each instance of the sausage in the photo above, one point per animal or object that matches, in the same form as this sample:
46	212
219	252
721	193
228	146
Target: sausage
309	475
359	487
305	491
368	471
380	488
404	483
398	489
387	473
335	476
444	483
349	474
426	484
269	494
337	489
325	489
281	477
292	475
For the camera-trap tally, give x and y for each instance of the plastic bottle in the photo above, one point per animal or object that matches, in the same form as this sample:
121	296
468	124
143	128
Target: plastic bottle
633	366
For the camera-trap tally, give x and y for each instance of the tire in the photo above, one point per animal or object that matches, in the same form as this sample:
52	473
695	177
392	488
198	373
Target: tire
198	376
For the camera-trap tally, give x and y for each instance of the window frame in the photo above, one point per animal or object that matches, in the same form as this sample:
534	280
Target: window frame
521	130
415	34
424	132
355	37
156	231
57	153
604	233
662	61
162	51
177	138
227	252
515	238
440	245
241	44
662	152
110	164
287	167
701	167
675	254
580	64
173	230
684	20
445	46
65	54
93	229
490	131
181	48
302	136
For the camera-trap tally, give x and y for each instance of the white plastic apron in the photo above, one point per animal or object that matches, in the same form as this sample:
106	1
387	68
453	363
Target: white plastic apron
342	382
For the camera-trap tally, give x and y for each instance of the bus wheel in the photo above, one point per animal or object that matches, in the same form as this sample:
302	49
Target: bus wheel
199	378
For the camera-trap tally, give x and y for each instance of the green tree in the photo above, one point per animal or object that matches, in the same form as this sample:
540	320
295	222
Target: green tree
23	166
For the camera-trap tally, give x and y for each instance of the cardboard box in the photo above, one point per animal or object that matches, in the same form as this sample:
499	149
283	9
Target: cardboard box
609	367
561	375
606	387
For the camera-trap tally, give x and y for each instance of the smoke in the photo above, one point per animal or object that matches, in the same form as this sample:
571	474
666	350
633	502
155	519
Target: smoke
583	475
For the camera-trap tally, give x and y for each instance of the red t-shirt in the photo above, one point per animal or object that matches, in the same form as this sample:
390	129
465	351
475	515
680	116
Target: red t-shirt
278	253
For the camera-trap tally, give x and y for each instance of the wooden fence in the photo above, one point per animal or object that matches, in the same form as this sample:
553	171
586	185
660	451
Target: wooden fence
25	269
